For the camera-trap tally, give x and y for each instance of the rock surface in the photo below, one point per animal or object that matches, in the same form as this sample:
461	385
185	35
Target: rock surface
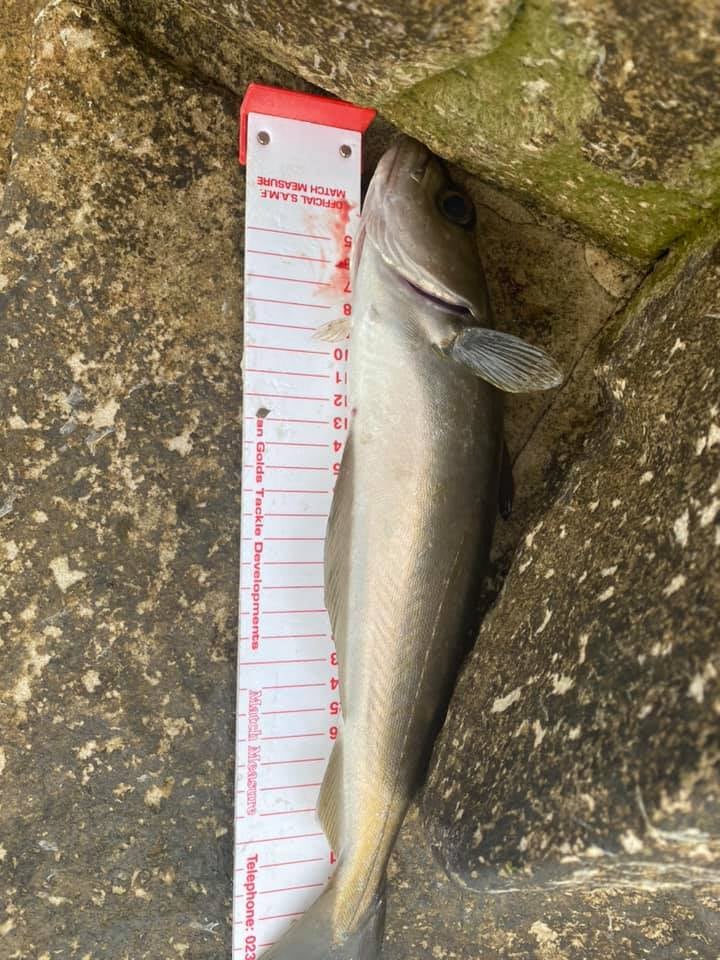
369	51
605	113
121	296
602	112
15	42
582	744
430	916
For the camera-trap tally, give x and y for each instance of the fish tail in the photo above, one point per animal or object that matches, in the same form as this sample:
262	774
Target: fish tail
314	937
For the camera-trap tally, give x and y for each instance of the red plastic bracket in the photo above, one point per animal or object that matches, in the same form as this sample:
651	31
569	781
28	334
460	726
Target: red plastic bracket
276	102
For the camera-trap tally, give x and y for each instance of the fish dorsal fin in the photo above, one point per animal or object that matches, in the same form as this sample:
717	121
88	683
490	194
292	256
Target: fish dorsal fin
506	362
330	800
337	555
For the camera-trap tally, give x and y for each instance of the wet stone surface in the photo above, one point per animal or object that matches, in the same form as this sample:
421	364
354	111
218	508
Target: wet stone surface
120	294
603	113
573	794
581	746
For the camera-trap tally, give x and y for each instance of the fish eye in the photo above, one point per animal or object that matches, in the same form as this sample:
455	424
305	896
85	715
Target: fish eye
456	207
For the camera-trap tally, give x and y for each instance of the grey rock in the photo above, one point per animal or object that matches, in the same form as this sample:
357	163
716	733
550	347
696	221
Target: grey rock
430	916
120	298
604	113
361	50
580	752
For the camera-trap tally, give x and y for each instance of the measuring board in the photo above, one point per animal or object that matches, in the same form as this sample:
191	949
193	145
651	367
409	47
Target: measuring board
302	154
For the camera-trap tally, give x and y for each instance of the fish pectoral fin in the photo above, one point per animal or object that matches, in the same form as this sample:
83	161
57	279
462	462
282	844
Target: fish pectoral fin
334	330
505	361
507	484
330	800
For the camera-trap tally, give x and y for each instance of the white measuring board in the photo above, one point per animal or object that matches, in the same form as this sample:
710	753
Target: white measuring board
302	209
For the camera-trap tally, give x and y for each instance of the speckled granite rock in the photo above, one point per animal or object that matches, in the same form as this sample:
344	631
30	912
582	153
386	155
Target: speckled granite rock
581	749
431	918
366	50
15	32
120	295
605	113
120	298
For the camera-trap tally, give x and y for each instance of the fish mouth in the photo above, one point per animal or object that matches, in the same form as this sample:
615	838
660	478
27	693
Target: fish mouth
401	176
453	307
405	158
409	158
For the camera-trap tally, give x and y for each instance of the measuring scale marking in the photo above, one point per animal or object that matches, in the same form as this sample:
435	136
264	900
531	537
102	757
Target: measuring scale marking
303	198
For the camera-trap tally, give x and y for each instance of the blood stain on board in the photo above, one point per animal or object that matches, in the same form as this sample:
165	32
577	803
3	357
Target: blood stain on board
342	251
336	229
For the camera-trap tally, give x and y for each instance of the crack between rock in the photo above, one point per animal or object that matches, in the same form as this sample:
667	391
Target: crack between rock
559	393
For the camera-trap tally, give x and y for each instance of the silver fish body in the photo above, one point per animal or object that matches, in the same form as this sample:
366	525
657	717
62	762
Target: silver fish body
409	533
412	524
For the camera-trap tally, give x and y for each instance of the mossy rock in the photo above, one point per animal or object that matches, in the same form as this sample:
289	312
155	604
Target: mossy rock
604	113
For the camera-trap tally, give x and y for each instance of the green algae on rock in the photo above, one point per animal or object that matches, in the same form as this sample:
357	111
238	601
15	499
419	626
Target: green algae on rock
537	114
604	113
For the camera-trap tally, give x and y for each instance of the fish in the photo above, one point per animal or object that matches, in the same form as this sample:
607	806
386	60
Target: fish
422	475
